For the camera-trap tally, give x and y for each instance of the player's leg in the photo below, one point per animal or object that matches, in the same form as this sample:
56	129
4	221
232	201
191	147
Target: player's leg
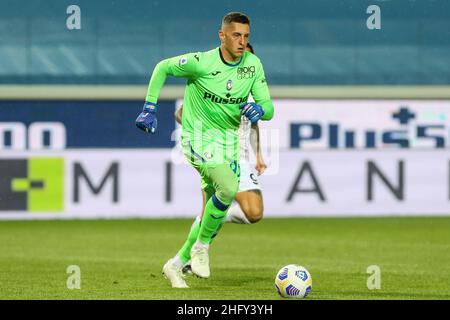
249	207
172	270
194	234
184	255
225	183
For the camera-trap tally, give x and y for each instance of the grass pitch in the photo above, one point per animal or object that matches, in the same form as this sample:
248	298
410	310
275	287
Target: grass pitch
122	259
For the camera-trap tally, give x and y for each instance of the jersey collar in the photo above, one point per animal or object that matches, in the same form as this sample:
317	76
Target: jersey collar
227	63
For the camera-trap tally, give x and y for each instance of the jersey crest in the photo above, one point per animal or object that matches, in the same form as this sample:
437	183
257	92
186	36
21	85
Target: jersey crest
229	85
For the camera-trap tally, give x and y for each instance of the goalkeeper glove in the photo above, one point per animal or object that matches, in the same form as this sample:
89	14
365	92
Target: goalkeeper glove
146	120
251	111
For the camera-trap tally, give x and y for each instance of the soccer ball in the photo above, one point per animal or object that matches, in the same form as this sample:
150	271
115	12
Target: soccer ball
293	281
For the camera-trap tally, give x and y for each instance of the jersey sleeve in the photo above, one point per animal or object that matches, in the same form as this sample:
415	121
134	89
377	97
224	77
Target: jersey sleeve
261	94
184	66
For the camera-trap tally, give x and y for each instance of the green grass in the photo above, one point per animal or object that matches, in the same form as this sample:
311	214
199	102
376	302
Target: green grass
122	259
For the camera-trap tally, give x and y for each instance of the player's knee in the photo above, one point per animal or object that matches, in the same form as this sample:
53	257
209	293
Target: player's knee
254	214
227	193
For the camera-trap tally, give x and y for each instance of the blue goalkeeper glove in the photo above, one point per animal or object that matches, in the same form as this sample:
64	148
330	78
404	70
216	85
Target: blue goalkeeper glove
146	120
251	111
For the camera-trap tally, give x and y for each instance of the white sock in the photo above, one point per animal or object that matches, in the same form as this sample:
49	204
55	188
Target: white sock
199	244
236	215
176	261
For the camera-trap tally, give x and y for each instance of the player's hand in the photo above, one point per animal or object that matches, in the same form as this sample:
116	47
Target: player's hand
260	166
251	111
146	120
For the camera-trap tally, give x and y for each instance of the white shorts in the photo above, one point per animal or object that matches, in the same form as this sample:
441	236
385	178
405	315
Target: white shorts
248	178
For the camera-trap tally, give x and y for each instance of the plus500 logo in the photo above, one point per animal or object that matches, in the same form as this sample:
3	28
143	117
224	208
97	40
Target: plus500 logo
334	135
37	136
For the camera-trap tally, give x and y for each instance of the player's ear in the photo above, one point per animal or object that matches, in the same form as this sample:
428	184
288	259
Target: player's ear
221	36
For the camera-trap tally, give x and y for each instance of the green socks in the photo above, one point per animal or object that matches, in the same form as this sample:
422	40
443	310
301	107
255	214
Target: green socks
215	212
213	217
185	251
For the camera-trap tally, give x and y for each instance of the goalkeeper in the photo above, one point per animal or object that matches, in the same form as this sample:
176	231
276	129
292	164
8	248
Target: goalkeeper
219	82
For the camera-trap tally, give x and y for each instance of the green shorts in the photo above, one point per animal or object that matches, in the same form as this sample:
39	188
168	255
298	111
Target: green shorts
219	173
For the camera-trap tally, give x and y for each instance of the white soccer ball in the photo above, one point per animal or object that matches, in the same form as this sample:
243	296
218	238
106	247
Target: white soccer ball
293	281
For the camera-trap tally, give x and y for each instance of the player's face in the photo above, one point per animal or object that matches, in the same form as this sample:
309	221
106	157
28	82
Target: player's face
234	38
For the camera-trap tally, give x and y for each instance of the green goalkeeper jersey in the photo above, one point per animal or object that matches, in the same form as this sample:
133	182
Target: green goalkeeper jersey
214	90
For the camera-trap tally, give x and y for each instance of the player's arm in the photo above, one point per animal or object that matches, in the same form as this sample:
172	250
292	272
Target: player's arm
256	146
179	114
262	108
261	94
185	66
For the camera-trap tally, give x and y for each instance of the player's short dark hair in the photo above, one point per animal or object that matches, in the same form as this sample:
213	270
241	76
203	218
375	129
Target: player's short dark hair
250	47
235	17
